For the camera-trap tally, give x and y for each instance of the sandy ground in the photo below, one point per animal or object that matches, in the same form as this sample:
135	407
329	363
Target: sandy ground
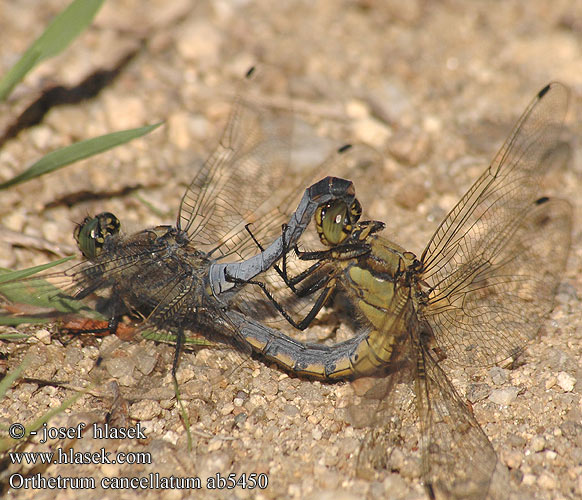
434	86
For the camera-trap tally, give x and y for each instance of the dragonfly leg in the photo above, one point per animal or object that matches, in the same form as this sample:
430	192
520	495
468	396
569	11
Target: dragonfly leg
324	283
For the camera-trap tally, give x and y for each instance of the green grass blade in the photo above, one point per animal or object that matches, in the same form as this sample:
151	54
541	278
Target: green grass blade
16	289
9	379
6	275
20	320
10	337
60	33
78	151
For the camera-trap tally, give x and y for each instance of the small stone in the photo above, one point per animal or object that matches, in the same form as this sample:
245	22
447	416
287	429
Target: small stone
144	410
43	336
145	361
125	112
538	443
371	131
226	409
199	41
121	369
171	437
357	109
512	458
504	396
214	444
395	486
566	381
547	482
179	132
528	480
516	441
478	392
498	375
110	469
550	382
291	410
409	147
410	194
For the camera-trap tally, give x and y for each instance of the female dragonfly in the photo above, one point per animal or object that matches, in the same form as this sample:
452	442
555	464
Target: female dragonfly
478	293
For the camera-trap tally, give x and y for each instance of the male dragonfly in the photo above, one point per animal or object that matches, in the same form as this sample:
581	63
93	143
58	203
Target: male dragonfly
184	277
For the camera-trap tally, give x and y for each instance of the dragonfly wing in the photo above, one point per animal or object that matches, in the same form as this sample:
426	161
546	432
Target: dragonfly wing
499	245
244	170
458	461
490	309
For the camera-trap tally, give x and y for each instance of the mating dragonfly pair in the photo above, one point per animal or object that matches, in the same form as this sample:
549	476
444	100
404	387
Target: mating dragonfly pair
478	292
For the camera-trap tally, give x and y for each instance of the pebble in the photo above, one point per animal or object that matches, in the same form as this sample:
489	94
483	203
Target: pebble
566	381
316	434
44	336
512	458
124	112
395	486
145	361
226	409
528	480
357	109
121	369
290	410
371	131
410	194
171	437
478	392
498	375
214	445
547	482
550	382
199	40
410	147
538	443
144	410
179	129
504	396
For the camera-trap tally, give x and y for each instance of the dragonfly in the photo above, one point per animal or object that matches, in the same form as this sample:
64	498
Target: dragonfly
477	294
185	276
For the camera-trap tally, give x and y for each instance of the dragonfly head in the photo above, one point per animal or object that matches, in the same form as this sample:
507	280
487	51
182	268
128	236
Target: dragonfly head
91	234
335	221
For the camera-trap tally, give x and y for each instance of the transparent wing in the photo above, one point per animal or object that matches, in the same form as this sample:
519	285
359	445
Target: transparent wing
493	264
246	168
458	460
249	178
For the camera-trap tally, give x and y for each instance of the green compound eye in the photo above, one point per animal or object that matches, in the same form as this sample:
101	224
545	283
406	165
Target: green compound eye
91	234
335	222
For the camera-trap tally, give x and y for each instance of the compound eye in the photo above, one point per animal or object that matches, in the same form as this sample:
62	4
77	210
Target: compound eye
332	221
93	231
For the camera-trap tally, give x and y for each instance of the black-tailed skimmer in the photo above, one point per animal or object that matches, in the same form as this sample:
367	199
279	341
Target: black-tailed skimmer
479	291
185	277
